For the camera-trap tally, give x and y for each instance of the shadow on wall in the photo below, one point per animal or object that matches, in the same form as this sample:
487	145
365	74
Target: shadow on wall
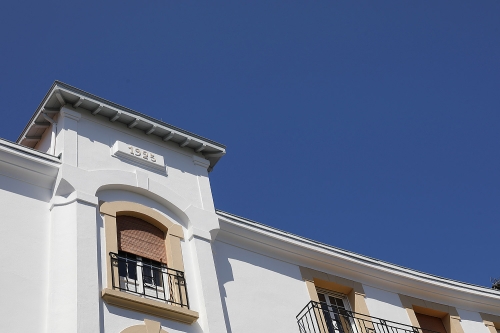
24	189
224	273
472	322
260	268
129	318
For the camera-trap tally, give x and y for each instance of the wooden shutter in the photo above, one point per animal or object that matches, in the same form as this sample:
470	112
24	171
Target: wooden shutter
140	238
430	323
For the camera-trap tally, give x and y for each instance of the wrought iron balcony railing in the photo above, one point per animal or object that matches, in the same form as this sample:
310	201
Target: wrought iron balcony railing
148	279
323	318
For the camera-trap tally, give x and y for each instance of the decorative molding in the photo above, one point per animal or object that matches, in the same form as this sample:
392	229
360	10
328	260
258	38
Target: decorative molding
115	117
169	136
70	114
61	94
201	161
137	155
79	102
199	233
151	130
200	148
75	196
149	306
97	110
364	269
185	142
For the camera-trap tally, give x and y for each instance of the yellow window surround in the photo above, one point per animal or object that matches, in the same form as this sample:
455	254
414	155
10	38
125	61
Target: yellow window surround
173	236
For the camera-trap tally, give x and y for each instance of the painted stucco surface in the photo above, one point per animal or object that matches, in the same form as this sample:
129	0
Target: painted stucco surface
258	289
472	322
24	217
384	304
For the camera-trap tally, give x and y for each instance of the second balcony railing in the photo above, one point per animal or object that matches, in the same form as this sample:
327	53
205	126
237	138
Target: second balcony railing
149	280
318	317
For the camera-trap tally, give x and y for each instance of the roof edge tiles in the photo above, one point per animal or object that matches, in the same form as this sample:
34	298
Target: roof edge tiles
61	94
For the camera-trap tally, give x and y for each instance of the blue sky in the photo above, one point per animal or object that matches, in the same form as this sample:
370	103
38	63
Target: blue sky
368	125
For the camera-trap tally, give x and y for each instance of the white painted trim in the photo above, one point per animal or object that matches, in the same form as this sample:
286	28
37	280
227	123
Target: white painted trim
201	161
75	196
28	153
65	112
369	270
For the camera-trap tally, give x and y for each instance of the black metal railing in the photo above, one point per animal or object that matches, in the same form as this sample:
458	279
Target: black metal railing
318	317
148	279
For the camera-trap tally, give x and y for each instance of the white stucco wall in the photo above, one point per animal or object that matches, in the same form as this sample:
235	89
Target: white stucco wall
24	220
385	304
261	294
471	322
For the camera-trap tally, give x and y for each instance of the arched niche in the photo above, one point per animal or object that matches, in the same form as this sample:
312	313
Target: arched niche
173	232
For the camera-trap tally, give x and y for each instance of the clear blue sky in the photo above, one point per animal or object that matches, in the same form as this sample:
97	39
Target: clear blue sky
369	125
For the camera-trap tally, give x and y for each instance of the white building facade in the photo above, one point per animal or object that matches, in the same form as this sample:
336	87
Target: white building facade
109	225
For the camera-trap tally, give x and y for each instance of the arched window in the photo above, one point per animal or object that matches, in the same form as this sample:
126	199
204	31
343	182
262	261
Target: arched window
141	252
141	238
139	243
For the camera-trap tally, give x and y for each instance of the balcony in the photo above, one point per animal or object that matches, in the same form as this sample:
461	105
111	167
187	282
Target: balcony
323	318
149	280
149	287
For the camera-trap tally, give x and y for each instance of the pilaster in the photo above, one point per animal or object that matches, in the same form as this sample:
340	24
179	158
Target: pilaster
205	190
73	284
211	312
67	140
203	228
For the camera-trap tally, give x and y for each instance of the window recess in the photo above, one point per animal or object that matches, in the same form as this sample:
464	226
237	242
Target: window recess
332	314
430	322
148	278
144	266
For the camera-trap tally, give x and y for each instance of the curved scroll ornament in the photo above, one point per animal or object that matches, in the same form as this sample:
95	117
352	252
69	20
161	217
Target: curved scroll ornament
150	326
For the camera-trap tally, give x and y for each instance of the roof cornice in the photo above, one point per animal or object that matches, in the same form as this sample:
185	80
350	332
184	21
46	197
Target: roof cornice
28	165
61	94
486	298
30	153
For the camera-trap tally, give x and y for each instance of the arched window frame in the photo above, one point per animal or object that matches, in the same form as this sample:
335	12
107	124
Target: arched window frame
173	236
173	232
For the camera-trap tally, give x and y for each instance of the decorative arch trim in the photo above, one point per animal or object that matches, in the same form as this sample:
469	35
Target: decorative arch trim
116	208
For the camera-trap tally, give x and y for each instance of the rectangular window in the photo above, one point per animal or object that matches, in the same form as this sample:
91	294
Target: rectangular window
335	309
130	265
430	323
152	272
127	265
